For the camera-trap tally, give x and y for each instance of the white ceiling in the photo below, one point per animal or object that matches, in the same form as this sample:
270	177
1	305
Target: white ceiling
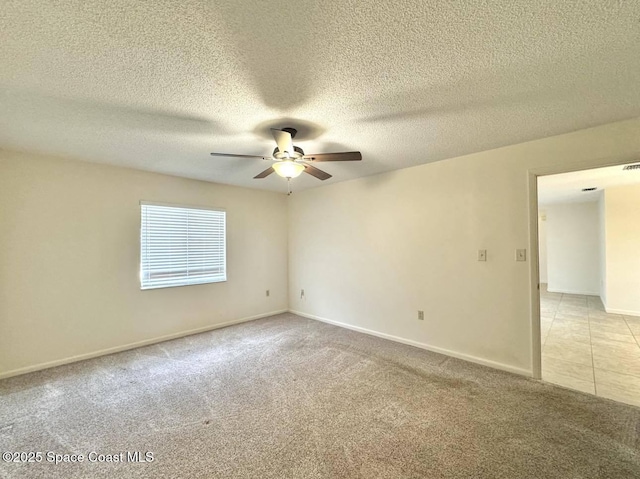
567	187
159	85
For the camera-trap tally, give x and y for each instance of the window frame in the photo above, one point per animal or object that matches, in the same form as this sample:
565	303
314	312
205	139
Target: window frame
184	206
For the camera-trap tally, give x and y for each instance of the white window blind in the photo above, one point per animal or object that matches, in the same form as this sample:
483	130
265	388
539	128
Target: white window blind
181	246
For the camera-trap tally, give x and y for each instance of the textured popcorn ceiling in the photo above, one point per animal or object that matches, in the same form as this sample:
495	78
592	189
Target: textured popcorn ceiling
158	85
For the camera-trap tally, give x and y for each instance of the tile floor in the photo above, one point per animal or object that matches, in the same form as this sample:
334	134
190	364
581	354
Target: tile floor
588	349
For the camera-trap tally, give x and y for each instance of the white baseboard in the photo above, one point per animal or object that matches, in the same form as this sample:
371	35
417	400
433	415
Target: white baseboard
568	291
138	344
410	342
618	311
621	311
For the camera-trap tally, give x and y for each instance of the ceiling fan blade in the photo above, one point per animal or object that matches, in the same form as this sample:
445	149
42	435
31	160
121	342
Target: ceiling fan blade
231	155
313	171
264	174
346	156
284	140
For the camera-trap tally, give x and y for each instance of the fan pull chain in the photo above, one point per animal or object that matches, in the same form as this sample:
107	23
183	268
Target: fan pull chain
289	186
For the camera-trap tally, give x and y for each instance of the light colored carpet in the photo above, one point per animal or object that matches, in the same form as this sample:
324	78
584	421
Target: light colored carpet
287	397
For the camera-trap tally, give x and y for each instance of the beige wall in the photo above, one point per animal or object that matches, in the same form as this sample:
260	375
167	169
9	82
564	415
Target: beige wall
622	211
573	248
69	236
371	252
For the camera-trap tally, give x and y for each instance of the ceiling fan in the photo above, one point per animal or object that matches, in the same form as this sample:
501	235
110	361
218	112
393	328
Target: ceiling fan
291	161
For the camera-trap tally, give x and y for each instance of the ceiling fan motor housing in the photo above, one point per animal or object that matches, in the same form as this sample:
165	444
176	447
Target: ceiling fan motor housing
297	154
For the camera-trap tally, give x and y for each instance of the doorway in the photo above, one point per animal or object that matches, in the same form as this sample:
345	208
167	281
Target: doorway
589	276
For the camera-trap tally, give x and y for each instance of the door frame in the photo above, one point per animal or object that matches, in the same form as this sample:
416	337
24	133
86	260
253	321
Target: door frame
534	266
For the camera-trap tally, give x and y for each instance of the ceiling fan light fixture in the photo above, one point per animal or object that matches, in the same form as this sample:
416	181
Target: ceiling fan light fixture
288	168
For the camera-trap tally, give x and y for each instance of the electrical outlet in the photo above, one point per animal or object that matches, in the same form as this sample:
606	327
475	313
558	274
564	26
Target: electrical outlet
482	255
521	255
268	293
421	315
301	293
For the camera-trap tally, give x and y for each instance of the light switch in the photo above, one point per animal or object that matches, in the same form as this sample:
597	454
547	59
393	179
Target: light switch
482	255
521	255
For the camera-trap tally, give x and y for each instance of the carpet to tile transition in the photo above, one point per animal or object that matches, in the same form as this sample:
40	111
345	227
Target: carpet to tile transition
287	397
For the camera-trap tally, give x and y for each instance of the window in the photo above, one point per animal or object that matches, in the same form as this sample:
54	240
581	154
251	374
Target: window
181	245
